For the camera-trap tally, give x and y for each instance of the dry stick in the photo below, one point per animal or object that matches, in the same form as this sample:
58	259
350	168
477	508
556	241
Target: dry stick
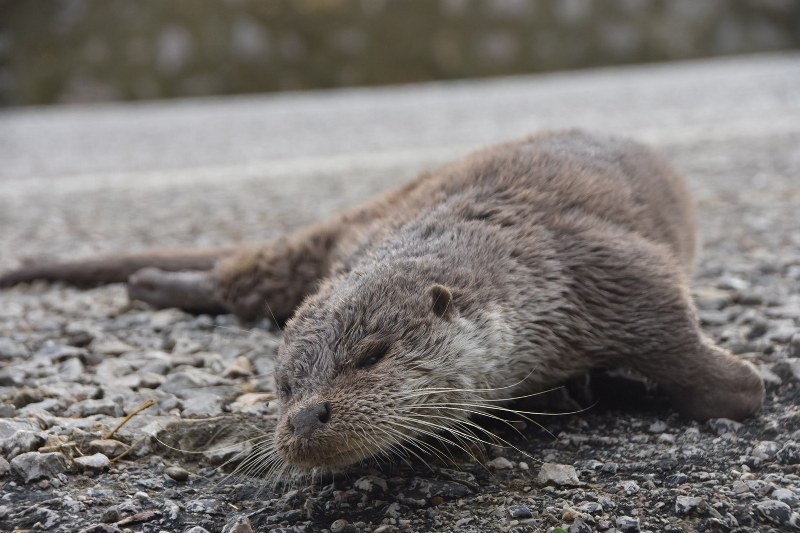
123	454
59	447
145	405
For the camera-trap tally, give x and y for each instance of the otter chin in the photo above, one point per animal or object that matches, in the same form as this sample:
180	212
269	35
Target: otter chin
494	277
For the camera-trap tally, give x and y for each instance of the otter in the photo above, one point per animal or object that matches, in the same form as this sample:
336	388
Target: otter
491	278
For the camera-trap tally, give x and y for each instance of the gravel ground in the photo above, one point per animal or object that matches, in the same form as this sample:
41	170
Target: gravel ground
74	363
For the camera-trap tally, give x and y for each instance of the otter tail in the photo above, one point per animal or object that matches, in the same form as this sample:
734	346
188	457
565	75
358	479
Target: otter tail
113	269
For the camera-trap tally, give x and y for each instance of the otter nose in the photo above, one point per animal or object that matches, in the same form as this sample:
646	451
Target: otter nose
310	418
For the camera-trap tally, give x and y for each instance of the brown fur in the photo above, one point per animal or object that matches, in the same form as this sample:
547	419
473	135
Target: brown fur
502	274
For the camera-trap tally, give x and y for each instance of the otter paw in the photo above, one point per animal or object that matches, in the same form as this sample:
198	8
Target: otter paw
733	389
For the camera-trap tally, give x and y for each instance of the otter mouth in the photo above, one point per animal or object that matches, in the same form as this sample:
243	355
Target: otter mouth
325	454
336	460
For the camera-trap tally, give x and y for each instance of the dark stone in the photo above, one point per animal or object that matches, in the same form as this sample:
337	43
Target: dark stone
520	511
789	454
774	511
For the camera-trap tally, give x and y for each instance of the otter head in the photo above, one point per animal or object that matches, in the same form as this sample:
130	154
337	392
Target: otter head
369	364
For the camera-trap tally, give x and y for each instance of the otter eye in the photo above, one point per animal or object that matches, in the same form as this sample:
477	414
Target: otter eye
373	357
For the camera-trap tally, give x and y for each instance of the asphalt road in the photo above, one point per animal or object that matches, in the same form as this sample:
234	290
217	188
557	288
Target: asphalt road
85	179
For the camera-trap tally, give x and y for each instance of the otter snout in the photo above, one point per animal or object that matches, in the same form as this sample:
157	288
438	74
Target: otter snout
310	418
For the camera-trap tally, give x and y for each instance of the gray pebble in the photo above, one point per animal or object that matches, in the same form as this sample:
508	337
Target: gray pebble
371	484
786	496
783	332
789	454
688	504
4	467
22	442
794	345
59	352
33	466
579	526
558	475
110	346
627	524
45	518
51	405
592	508
95	407
714	318
339	526
788	369
520	511
610	468
110	515
724	425
500	463
108	447
25	396
711	299
766	449
771	379
238	524
96	462
775	511
205	505
676	479
70	370
10	349
629	487
185	382
202	405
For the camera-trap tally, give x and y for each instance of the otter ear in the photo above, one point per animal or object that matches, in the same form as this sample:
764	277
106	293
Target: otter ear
442	301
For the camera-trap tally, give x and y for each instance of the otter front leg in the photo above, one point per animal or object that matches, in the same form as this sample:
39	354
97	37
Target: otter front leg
641	299
703	380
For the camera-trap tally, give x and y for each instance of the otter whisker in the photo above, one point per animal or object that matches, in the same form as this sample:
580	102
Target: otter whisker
489	389
256	458
400	446
421	445
462	442
403	424
470	423
275	320
484	410
449	429
491	439
256	464
432	392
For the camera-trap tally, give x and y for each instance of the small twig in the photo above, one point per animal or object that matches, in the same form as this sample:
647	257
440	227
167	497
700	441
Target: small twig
145	405
123	454
59	447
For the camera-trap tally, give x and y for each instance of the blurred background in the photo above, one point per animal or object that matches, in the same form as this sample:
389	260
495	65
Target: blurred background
74	51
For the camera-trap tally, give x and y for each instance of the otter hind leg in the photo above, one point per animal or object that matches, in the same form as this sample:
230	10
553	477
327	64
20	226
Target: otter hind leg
190	290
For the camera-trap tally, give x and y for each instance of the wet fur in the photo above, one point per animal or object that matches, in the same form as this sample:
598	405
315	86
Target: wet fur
555	254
